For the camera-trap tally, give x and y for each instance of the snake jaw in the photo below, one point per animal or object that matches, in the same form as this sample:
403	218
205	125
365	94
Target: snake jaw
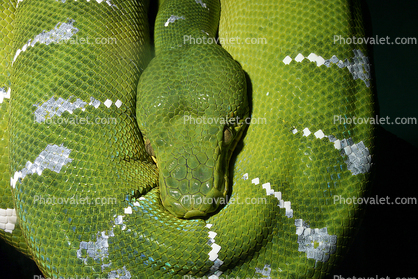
194	213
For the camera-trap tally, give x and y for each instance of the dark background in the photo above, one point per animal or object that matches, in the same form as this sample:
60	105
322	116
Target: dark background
387	243
395	65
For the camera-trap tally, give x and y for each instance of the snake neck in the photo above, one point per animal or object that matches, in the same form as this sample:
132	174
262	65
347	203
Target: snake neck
181	23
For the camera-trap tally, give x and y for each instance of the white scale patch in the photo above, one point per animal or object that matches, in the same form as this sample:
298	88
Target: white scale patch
118	103
265	271
4	94
359	68
95	103
326	244
200	2
108	103
359	159
316	243
128	210
17	4
99	250
172	19
54	107
61	32
214	271
277	195
54	157
8	219
120	273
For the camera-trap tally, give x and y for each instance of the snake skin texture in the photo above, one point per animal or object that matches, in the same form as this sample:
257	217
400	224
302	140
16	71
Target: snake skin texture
7	211
76	172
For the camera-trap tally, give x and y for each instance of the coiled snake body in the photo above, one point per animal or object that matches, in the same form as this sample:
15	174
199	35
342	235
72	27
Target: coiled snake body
81	193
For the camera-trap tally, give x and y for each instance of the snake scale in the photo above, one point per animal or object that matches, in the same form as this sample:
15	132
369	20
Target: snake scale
81	127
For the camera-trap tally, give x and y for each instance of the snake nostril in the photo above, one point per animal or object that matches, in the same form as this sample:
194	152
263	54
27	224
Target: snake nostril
227	135
149	149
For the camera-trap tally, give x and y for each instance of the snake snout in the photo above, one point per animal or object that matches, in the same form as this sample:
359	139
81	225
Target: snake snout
192	198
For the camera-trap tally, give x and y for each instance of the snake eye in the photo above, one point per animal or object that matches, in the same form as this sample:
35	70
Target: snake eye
227	136
149	149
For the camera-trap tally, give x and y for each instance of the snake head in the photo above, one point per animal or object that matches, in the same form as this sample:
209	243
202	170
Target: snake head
192	109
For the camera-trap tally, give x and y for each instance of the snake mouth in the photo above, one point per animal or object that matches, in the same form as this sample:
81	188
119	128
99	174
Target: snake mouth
194	213
197	205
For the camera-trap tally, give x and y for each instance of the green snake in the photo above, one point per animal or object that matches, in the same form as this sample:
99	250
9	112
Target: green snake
225	156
